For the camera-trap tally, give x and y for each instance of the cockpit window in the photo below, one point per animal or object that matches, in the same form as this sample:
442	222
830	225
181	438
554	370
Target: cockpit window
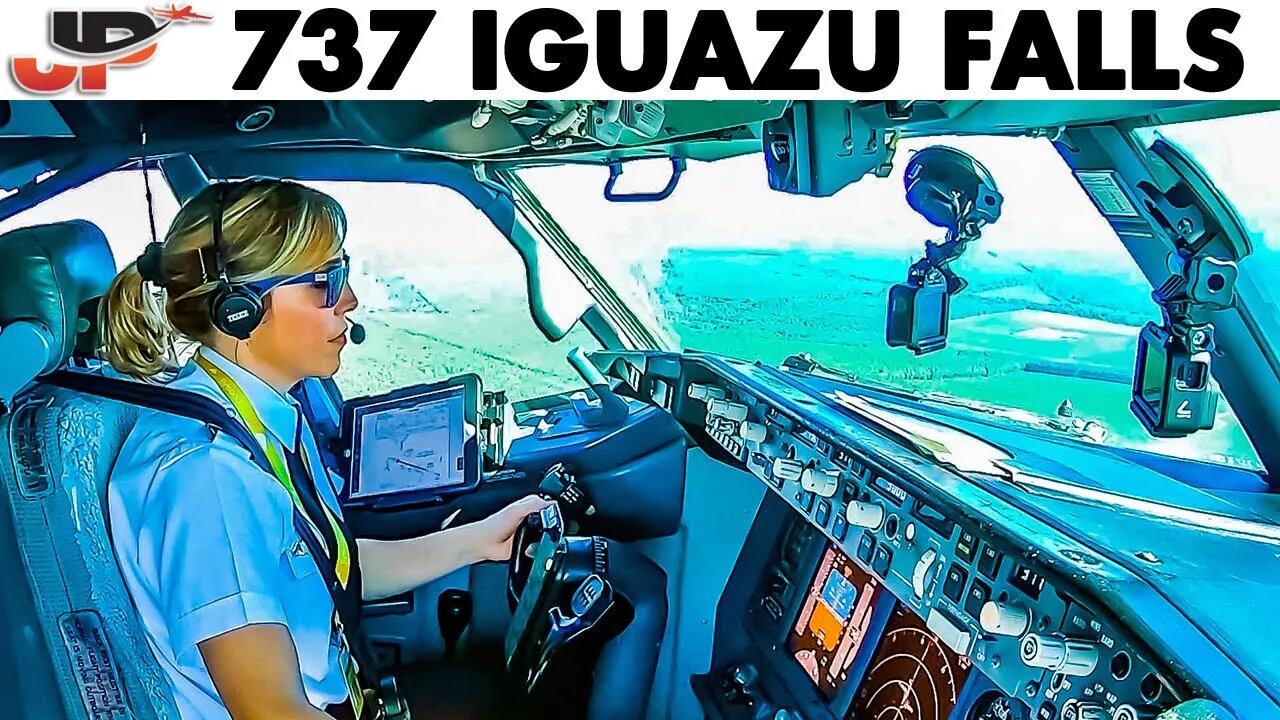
1048	324
116	203
442	293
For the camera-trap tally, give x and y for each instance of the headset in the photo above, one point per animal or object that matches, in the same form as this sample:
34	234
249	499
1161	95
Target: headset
237	310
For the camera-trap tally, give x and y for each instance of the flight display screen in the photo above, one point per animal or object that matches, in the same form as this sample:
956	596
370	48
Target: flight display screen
913	675
833	623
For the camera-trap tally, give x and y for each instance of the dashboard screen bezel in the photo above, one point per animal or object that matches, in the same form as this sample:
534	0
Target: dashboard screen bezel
783	668
871	632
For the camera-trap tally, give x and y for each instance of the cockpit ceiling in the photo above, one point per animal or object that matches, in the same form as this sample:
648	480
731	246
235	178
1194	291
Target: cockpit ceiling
43	135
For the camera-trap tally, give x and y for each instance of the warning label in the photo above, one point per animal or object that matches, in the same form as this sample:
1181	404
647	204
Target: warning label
91	661
1106	192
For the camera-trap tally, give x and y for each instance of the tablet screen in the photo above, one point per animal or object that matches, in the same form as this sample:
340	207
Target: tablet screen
412	445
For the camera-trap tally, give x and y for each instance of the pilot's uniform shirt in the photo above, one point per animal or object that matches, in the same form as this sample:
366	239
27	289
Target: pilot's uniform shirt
206	542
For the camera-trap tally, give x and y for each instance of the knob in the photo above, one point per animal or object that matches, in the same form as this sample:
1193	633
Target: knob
1085	711
787	470
698	391
821	482
921	576
1125	711
1043	652
1069	657
1081	659
753	432
1000	618
864	515
736	412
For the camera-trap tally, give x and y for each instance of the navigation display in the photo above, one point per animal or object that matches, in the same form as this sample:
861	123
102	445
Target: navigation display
913	675
422	440
834	621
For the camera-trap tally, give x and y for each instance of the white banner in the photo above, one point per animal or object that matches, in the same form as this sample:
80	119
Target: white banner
390	49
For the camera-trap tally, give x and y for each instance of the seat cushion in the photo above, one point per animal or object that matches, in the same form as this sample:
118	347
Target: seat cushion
56	450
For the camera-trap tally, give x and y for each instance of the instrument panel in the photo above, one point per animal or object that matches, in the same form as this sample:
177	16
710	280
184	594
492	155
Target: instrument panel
965	602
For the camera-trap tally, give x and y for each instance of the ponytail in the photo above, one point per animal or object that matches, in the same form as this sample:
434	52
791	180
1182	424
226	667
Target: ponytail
136	334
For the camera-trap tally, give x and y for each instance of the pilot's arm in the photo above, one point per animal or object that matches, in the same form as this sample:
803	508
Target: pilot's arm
391	567
255	670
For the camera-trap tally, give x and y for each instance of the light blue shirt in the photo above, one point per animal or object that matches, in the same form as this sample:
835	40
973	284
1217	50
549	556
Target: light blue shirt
206	542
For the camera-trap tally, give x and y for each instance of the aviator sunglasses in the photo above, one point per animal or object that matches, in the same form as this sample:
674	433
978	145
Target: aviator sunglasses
332	277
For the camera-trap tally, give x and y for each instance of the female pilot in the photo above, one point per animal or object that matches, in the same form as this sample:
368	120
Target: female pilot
233	602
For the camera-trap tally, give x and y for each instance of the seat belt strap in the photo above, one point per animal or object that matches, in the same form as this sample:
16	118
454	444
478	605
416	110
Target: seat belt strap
240	401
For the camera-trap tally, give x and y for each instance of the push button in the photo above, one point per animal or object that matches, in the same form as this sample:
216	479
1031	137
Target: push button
866	548
979	593
966	546
823	514
953	586
989	562
880	563
839	528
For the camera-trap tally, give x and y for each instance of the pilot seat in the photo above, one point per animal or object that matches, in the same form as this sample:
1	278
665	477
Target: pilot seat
74	633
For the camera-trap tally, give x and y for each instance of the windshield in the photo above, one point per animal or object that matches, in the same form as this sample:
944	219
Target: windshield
1051	315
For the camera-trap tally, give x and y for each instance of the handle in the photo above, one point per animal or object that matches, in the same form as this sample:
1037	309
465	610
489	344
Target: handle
612	410
615	171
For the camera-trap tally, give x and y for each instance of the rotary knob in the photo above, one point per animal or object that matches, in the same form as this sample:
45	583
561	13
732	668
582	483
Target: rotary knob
864	515
699	391
1125	711
823	483
1043	652
1000	618
1081	659
1084	711
1069	657
737	412
753	432
925	572
787	470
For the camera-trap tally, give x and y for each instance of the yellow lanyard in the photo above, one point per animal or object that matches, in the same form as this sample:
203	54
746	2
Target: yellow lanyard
342	565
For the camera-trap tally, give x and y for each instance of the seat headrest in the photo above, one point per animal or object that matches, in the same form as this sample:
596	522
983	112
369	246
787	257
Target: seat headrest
50	272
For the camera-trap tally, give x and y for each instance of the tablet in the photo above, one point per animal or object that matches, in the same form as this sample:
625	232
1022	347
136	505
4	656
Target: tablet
415	441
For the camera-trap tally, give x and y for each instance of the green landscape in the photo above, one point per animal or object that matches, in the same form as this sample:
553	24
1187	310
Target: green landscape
1029	339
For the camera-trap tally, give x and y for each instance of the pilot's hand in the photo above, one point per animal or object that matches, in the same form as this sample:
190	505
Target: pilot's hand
492	536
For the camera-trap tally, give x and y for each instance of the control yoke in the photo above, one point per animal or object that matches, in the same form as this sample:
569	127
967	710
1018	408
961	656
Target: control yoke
951	190
558	589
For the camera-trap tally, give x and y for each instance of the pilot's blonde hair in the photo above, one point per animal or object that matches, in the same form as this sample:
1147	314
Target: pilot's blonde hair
269	228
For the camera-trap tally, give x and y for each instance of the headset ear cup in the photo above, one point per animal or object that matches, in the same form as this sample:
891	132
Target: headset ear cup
237	312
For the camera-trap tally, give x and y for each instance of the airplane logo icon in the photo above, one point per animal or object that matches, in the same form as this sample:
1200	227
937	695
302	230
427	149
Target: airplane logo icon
178	14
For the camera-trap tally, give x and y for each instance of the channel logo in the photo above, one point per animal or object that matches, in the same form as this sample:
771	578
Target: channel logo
105	38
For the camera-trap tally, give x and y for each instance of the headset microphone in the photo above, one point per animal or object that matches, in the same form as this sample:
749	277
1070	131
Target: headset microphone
357	331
